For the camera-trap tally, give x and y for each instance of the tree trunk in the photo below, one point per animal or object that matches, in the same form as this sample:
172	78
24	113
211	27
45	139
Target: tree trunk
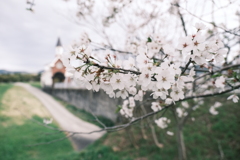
160	145
181	144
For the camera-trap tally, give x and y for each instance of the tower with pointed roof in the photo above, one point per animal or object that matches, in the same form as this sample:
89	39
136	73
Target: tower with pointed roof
54	74
59	48
55	71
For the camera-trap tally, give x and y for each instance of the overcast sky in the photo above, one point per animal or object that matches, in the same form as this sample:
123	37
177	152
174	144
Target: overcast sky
27	40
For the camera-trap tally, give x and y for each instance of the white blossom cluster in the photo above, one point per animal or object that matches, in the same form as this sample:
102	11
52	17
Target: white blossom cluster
127	107
162	122
155	66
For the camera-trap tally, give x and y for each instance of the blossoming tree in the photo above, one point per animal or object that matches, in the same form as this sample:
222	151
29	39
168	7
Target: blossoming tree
166	69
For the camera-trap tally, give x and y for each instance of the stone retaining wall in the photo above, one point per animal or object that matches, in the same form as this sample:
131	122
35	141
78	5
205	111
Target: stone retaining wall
99	103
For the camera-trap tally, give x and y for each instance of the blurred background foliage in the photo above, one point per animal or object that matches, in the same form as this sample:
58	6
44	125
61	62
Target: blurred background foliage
19	77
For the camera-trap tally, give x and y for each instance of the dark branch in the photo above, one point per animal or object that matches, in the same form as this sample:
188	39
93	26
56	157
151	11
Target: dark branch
181	18
186	67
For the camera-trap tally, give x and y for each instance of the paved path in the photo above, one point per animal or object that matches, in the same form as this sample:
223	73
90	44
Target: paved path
65	119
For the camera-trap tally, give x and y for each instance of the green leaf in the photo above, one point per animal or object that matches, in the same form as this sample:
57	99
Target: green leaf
216	75
118	109
149	39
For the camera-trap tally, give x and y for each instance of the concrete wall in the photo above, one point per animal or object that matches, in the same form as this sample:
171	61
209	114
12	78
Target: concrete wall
98	103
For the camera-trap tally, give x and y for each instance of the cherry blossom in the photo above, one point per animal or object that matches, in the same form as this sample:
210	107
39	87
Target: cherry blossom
162	122
170	133
117	82
164	79
177	94
156	106
213	110
220	82
185	44
234	98
198	42
123	94
200	26
154	66
145	78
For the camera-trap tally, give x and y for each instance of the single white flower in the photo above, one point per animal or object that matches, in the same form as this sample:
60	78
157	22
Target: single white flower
142	60
131	80
200	26
111	94
169	101
180	112
123	94
132	90
95	86
185	104
185	44
220	82
170	133
131	102
117	82
198	42
213	110
164	79
198	58
219	56
156	106
139	96
177	94
234	98
145	78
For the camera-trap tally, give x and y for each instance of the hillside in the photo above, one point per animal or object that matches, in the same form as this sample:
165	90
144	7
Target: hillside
206	136
21	136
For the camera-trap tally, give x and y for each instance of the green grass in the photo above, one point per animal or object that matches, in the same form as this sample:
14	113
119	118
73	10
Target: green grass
86	116
203	138
35	84
16	140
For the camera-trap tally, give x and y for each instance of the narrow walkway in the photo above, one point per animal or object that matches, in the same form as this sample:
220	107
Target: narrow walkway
65	119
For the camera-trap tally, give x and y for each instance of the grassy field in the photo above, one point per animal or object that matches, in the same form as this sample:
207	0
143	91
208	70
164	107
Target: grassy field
35	84
19	131
205	137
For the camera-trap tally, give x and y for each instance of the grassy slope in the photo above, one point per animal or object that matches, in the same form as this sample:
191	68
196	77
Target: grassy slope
35	84
17	131
204	138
